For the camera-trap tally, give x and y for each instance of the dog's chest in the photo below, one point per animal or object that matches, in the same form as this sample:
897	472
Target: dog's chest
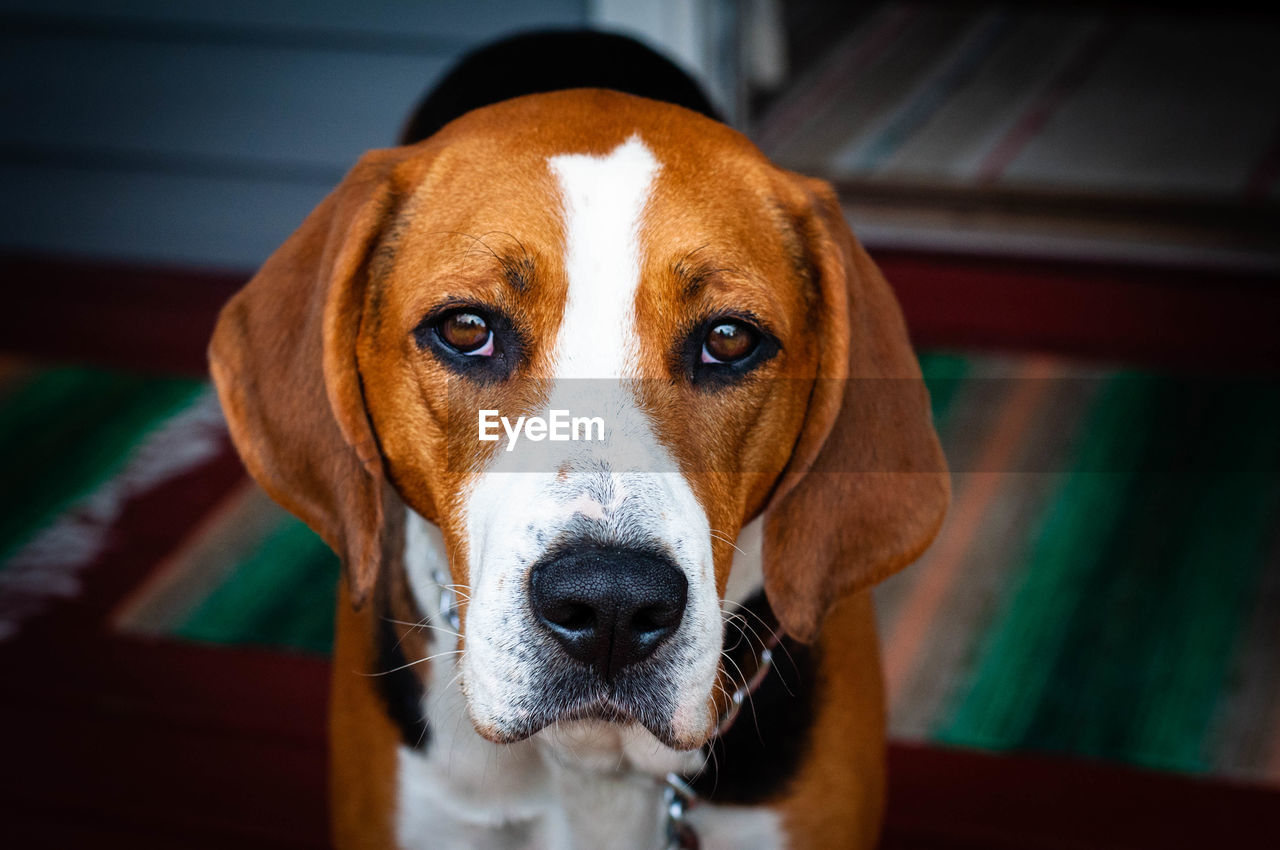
469	793
512	797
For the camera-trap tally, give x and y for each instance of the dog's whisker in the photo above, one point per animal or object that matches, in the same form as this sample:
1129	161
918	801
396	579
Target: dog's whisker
749	633
745	629
414	662
742	678
412	627
743	611
423	624
742	636
435	699
724	538
751	700
779	645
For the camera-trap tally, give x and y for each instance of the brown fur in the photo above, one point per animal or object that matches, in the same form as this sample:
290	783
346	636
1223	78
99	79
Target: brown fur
341	417
363	740
837	798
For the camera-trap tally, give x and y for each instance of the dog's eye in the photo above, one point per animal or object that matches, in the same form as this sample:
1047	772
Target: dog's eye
723	350
729	342
467	333
476	341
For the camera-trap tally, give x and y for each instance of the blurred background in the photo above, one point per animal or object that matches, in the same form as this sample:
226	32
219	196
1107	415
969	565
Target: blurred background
1078	205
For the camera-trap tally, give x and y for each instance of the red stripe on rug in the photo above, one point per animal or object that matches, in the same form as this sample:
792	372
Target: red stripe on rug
920	610
112	314
941	798
149	526
169	583
173	742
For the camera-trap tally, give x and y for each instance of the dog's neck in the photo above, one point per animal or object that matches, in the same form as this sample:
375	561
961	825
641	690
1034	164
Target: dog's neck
556	789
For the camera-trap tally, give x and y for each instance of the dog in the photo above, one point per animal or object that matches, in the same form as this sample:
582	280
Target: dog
661	636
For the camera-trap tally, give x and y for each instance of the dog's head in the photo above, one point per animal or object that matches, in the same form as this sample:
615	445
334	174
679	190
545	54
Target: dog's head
620	260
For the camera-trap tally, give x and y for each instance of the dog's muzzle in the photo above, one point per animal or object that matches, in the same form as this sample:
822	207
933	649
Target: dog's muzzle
608	608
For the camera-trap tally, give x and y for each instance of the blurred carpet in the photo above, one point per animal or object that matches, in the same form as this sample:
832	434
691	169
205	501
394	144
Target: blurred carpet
1107	584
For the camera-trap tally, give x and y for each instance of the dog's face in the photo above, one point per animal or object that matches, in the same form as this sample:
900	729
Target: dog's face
599	275
620	261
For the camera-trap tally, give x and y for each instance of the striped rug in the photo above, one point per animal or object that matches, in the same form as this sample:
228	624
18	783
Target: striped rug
75	445
1107	583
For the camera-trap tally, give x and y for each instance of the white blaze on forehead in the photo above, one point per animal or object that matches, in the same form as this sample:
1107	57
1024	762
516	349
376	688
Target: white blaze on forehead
626	487
604	199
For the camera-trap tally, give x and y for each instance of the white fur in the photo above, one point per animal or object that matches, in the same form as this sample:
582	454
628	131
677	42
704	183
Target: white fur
746	575
579	785
738	828
604	199
517	507
464	792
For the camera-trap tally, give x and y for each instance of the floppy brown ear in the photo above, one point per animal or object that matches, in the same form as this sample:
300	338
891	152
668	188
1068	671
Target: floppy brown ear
283	360
867	486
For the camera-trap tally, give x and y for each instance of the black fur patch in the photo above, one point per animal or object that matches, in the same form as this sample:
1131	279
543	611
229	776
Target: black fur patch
549	61
400	688
757	757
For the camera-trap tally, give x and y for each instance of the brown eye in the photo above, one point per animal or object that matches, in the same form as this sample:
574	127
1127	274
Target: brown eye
467	333
729	342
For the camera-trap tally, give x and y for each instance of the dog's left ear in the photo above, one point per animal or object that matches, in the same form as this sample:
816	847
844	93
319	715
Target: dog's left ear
866	487
283	360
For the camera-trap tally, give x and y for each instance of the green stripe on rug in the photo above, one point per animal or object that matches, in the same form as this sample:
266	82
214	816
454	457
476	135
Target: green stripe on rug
282	595
64	431
998	703
1229	503
1117	641
944	375
1150	641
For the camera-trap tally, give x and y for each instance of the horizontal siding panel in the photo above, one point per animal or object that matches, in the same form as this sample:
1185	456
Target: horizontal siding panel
394	20
203	133
149	217
70	96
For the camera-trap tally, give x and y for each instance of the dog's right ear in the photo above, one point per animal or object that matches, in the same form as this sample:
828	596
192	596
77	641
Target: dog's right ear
283	360
867	487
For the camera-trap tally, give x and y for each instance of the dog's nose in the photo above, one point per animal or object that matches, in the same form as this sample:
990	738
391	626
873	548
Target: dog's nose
609	607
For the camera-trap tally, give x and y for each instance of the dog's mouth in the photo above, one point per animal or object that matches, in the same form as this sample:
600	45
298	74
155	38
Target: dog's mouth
609	707
604	710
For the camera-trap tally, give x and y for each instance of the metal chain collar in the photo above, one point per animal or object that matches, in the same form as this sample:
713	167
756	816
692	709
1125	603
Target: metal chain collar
678	797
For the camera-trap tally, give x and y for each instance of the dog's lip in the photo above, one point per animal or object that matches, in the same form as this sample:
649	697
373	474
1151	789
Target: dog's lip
604	709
